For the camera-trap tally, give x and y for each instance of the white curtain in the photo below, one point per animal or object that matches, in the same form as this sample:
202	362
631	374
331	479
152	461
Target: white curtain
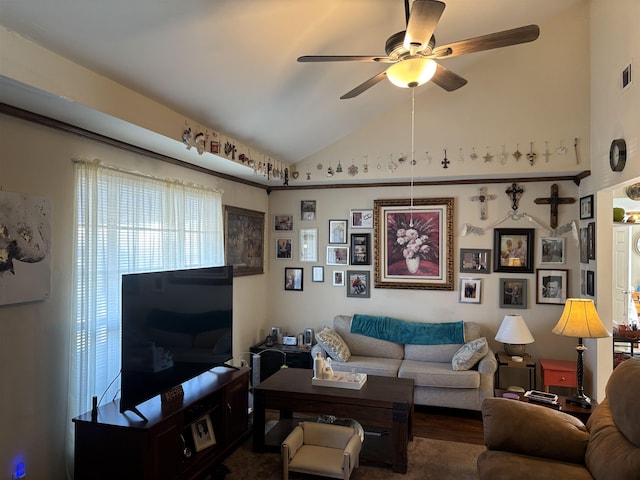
128	223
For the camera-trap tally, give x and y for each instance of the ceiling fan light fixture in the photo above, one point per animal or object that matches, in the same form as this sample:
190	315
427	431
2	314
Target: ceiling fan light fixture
412	72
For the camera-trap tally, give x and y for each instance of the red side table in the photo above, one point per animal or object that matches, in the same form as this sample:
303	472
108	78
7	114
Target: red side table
559	373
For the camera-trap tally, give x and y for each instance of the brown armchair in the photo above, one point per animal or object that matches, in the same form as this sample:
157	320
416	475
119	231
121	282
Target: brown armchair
523	439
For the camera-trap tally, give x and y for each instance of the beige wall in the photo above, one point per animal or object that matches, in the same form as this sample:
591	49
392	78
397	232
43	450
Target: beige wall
34	339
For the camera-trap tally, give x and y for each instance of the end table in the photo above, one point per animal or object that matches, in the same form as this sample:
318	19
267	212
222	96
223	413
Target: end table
558	373
504	361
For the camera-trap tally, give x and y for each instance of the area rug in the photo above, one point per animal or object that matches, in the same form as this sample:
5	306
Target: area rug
428	460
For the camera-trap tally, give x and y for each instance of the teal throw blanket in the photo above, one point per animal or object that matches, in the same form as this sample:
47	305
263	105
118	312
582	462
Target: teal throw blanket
400	331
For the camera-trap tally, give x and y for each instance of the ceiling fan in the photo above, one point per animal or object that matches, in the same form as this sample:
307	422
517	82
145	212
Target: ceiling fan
413	53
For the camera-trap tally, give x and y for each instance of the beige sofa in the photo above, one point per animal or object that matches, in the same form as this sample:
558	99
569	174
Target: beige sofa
436	383
525	440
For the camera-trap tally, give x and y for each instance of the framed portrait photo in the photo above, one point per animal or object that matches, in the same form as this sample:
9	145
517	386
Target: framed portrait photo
337	255
338	278
551	250
308	244
244	240
284	248
591	283
586	207
337	231
584	245
317	274
470	290
513	250
474	260
308	210
513	293
293	278
358	284
551	286
591	240
360	249
283	223
203	434
361	218
414	246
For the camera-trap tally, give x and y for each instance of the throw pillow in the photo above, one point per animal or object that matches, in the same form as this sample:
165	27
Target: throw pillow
469	354
333	343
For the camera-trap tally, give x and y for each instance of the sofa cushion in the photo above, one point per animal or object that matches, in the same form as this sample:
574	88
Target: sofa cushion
437	374
363	345
470	354
333	343
383	367
441	353
505	465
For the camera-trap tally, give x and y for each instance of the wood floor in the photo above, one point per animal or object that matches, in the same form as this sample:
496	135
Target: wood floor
448	424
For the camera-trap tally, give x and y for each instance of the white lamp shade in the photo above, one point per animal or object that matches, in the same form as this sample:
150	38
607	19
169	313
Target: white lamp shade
513	330
411	72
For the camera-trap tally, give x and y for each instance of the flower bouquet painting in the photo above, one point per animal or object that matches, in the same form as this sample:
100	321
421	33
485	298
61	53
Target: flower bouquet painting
414	243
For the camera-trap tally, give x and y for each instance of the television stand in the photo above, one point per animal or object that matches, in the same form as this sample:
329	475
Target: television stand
116	445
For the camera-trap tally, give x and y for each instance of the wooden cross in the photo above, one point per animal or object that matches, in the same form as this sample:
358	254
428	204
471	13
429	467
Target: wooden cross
483	198
553	201
515	192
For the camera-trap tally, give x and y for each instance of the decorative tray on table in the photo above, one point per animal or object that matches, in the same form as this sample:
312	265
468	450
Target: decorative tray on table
353	381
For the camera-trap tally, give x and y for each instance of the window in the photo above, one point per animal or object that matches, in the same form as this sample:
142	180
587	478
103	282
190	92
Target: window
128	223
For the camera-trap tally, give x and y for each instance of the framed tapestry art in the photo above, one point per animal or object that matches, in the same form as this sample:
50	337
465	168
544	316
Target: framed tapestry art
244	240
414	246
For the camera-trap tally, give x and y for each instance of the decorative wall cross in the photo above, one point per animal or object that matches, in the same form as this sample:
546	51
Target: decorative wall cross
483	198
553	201
515	192
445	162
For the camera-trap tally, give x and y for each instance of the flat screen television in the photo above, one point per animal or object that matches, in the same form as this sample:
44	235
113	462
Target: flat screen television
176	325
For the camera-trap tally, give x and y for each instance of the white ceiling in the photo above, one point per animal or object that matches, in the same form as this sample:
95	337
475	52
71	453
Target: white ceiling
231	64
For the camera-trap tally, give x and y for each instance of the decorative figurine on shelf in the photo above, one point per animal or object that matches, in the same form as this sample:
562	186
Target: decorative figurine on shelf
328	370
318	366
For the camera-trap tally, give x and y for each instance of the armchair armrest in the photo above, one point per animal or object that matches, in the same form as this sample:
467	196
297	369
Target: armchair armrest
536	430
351	457
292	443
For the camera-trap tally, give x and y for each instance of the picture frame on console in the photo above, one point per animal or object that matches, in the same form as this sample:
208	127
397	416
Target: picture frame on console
203	434
414	243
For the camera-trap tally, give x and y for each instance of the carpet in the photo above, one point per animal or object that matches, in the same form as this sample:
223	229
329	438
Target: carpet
428	460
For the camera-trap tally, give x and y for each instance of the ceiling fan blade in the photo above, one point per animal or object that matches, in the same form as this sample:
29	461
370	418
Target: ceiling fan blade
344	58
505	38
365	85
423	20
448	80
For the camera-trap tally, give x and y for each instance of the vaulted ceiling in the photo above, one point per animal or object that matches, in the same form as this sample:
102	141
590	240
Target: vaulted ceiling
231	65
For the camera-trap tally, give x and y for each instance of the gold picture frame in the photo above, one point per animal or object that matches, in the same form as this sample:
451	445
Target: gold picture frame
244	240
414	243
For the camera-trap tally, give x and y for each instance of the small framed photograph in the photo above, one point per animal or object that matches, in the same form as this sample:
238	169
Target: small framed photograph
358	284
337	231
317	274
203	434
591	286
337	255
551	250
551	286
308	210
360	249
361	218
283	223
284	248
583	282
308	245
513	293
591	240
584	245
586	207
470	290
293	279
474	260
513	250
338	278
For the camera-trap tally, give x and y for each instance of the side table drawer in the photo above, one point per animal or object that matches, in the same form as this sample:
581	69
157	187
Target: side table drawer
560	378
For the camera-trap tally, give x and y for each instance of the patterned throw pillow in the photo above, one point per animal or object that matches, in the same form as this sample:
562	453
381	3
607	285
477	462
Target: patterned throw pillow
333	343
469	354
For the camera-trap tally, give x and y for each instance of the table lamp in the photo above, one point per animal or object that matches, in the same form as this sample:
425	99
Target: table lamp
513	332
580	319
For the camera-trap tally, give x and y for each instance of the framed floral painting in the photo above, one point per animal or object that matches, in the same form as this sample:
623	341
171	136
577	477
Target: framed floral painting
414	246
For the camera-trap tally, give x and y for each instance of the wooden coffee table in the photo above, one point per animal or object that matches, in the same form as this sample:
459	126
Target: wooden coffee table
384	404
